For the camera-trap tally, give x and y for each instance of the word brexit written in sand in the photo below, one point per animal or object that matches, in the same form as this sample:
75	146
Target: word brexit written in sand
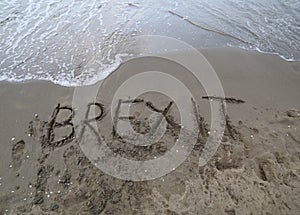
61	130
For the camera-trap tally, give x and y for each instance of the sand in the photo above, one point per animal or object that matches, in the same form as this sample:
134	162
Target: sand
256	169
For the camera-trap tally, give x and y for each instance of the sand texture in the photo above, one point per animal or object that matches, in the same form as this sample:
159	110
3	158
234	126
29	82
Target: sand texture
256	169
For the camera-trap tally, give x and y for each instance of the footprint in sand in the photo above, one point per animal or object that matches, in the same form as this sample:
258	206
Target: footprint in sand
17	154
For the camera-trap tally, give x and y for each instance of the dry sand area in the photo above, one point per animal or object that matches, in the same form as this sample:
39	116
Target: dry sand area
256	169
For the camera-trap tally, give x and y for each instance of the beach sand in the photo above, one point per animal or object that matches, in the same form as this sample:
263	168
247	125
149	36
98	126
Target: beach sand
256	169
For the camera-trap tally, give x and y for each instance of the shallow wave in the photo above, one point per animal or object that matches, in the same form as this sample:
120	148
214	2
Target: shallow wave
75	42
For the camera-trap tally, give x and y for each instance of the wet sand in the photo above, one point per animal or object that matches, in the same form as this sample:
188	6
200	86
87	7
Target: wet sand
255	170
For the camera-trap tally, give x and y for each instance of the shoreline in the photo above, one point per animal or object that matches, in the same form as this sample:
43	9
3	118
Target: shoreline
244	51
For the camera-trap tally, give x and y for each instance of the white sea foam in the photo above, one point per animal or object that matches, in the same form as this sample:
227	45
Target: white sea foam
75	43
